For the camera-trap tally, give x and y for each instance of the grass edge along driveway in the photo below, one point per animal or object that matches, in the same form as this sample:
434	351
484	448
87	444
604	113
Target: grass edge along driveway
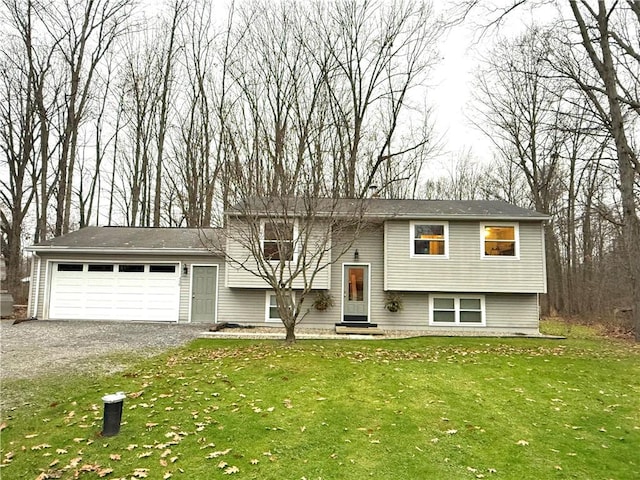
419	408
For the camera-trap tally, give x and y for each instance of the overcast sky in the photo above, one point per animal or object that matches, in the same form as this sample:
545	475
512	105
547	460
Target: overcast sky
461	50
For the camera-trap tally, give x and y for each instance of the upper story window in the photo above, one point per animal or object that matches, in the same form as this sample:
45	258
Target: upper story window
429	239
500	240
277	243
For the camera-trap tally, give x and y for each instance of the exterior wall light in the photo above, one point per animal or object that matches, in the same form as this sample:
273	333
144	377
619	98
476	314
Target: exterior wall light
356	255
185	269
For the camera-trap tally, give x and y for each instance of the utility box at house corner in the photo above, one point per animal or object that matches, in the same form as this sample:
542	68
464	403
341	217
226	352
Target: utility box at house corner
112	413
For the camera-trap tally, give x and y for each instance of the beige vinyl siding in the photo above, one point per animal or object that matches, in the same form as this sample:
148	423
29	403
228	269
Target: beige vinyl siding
237	276
504	313
46	261
370	251
36	286
465	269
512	312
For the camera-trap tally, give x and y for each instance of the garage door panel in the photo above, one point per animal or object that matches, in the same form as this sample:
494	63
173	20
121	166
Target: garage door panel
115	294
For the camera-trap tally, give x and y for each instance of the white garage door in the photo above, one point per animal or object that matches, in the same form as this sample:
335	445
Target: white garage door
112	291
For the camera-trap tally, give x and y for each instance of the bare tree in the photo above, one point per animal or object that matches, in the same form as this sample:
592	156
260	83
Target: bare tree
609	34
84	33
18	138
288	243
519	110
381	54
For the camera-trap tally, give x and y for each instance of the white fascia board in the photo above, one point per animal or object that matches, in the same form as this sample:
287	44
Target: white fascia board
122	251
485	218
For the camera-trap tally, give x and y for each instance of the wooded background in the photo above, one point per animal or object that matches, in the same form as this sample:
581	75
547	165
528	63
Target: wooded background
111	113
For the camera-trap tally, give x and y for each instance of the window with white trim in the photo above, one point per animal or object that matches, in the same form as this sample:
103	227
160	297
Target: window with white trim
277	240
500	240
429	239
272	314
457	310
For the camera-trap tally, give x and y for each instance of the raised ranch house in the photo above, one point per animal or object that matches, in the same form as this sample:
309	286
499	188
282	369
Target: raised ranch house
456	266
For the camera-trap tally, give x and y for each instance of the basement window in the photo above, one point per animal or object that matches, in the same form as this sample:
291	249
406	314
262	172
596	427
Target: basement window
457	310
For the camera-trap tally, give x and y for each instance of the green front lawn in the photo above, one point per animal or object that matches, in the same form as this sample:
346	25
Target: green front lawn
409	409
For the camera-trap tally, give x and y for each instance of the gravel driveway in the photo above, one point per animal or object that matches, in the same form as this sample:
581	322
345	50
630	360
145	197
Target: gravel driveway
38	347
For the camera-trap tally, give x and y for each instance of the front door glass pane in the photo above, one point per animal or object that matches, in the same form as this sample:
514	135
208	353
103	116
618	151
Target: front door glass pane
356	284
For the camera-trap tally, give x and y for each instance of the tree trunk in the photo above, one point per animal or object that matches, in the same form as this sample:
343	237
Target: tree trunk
291	335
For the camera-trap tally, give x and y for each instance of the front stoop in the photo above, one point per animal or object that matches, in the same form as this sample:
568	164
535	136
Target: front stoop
359	330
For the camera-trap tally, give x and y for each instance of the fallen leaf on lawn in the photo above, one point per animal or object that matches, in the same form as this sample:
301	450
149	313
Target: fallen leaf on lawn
61	451
321	399
173	459
41	446
141	473
151	425
132	446
31	435
78	439
103	472
3	425
166	453
55	462
222	464
166	476
136	394
453	431
145	454
218	453
303	428
75	462
163	462
523	443
42	476
115	456
231	470
255	461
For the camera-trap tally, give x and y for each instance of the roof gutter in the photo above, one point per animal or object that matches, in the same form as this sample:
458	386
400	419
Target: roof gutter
120	251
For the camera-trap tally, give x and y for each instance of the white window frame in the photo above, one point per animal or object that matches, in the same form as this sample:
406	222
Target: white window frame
412	239
294	242
456	303
516	234
267	312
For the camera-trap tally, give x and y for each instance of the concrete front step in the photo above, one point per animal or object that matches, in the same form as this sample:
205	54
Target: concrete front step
359	330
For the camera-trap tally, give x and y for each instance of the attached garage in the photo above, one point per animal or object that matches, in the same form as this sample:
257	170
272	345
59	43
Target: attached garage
111	291
127	274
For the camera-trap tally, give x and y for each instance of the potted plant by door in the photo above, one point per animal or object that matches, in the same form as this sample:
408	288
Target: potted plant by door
323	301
393	302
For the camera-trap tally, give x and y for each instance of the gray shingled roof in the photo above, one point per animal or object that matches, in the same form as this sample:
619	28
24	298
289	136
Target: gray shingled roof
186	240
385	208
199	241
